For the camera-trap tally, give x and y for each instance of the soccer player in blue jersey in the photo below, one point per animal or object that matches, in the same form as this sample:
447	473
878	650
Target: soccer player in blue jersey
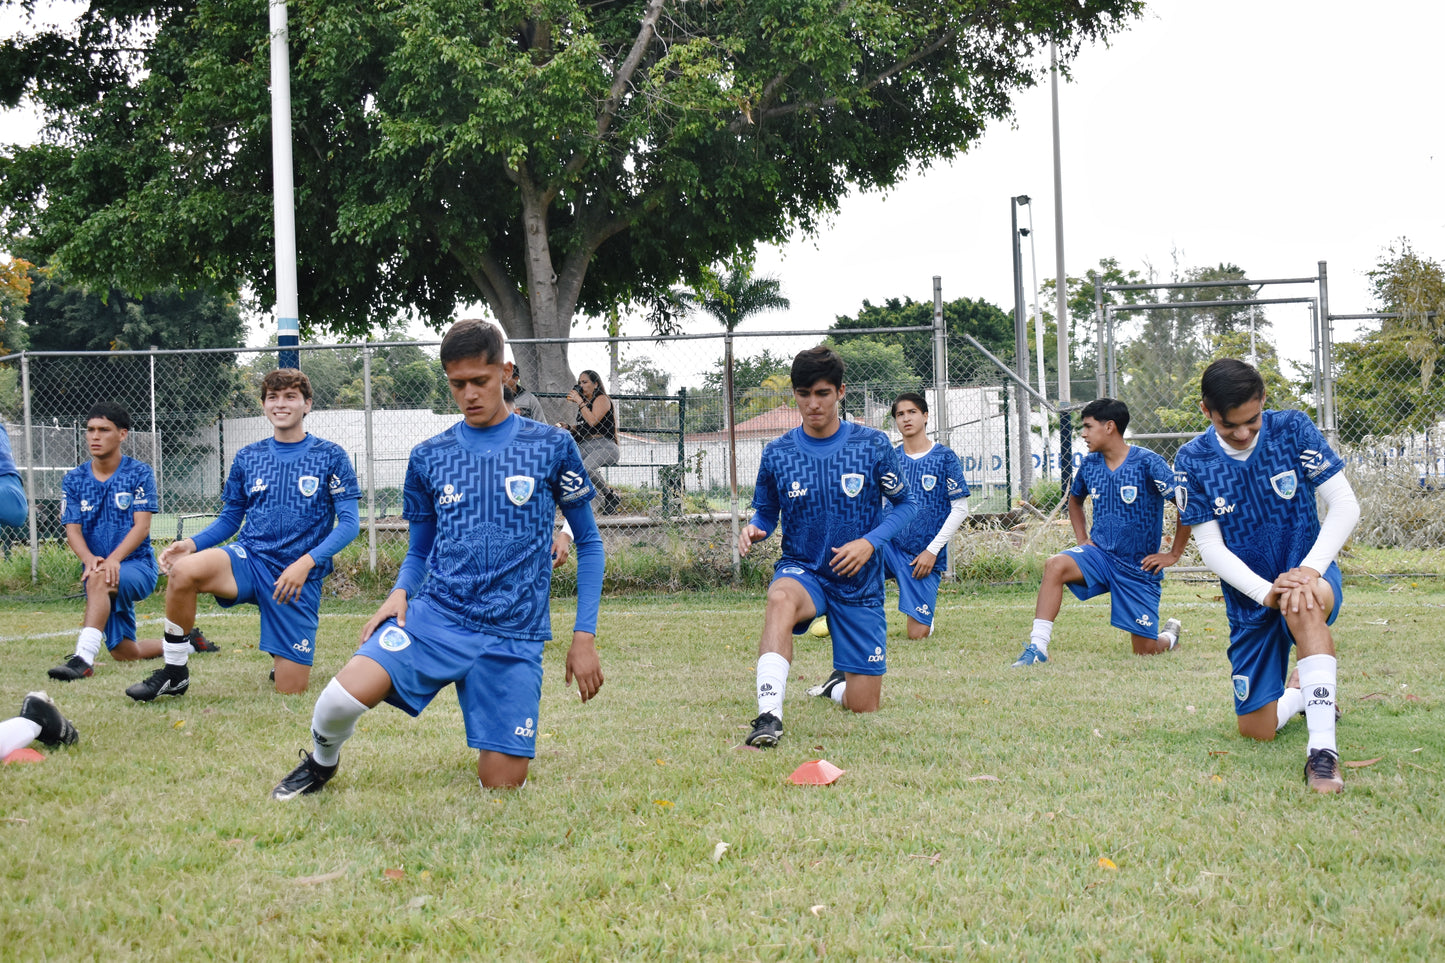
1248	486
918	555
1120	553
287	489
14	507
470	606
106	507
827	479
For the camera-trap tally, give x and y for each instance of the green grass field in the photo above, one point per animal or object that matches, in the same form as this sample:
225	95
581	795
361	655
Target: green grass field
1097	807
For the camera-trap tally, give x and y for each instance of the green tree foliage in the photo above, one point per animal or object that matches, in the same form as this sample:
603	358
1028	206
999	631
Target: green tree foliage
549	157
988	324
735	295
1083	323
1386	383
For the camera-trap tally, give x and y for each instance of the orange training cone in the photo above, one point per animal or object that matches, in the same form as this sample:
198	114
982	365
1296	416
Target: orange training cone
819	772
24	754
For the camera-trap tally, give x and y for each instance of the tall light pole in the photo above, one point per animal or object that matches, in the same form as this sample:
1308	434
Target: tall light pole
1028	232
1061	295
1024	458
288	307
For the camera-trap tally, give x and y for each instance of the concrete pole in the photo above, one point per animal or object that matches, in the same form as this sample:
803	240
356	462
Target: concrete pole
288	309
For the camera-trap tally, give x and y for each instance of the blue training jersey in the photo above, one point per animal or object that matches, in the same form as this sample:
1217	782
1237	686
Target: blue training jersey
829	492
105	510
493	494
7	457
289	491
936	480
1265	505
1128	506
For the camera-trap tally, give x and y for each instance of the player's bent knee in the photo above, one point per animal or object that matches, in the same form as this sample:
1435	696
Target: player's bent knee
496	770
1261	724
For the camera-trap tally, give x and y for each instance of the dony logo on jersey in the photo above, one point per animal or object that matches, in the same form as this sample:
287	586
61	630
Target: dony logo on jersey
520	488
526	730
123	500
1221	507
259	485
1285	484
308	484
85	505
393	639
852	484
877	655
449	495
1127	493
927	482
796	490
1313	462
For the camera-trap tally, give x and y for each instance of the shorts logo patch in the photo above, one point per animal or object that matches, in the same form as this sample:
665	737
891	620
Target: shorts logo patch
237	551
852	484
303	646
393	639
308	484
123	500
877	655
1241	688
1144	621
1285	484
520	488
928	481
790	570
526	729
1127	493
921	610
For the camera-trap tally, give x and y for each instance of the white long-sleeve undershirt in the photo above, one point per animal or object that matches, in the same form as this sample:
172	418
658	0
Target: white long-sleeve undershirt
957	512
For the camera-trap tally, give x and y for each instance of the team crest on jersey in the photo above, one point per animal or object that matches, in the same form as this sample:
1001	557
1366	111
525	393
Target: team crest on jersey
1241	688
1285	484
852	484
393	639
123	500
927	482
308	484
1127	493
520	488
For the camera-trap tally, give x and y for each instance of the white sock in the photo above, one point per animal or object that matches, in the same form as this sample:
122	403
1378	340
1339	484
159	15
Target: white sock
837	694
772	683
171	628
1317	677
1042	632
1169	638
176	653
1289	706
332	722
88	645
17	733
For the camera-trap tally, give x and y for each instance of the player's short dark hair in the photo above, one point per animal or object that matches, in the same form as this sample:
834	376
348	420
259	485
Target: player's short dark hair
473	338
912	396
283	378
1229	383
111	412
817	364
1107	409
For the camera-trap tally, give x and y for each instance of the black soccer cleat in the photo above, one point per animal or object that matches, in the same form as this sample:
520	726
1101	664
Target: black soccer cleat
305	779
199	642
767	729
55	729
168	680
71	669
825	690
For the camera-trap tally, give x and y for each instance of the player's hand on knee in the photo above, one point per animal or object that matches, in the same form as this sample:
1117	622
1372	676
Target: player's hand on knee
393	608
584	665
174	552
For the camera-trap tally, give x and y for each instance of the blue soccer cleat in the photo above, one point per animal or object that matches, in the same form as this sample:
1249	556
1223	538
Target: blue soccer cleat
1031	656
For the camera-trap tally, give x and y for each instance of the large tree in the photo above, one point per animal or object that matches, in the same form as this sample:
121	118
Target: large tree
549	157
988	324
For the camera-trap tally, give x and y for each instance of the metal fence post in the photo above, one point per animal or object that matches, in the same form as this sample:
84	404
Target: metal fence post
30	469
940	365
1327	373
156	438
730	415
370	462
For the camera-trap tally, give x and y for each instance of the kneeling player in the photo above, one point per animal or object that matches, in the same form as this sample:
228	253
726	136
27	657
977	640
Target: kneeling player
827	479
1248	487
1120	554
471	605
917	557
288	490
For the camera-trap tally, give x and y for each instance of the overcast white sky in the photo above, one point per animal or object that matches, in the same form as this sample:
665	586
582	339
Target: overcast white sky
1270	133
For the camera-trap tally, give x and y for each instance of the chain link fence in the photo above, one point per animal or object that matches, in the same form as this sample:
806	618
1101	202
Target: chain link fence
675	522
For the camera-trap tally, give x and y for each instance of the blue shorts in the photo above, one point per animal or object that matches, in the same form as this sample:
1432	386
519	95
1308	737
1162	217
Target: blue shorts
1259	651
499	682
138	579
917	597
1133	602
860	632
287	631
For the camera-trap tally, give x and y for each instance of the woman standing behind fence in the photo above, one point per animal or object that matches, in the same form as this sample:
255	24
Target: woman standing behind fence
596	433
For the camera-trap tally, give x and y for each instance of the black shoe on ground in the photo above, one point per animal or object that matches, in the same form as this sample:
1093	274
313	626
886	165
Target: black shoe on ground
305	779
1322	771
55	729
168	680
71	669
767	729
199	642
826	689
